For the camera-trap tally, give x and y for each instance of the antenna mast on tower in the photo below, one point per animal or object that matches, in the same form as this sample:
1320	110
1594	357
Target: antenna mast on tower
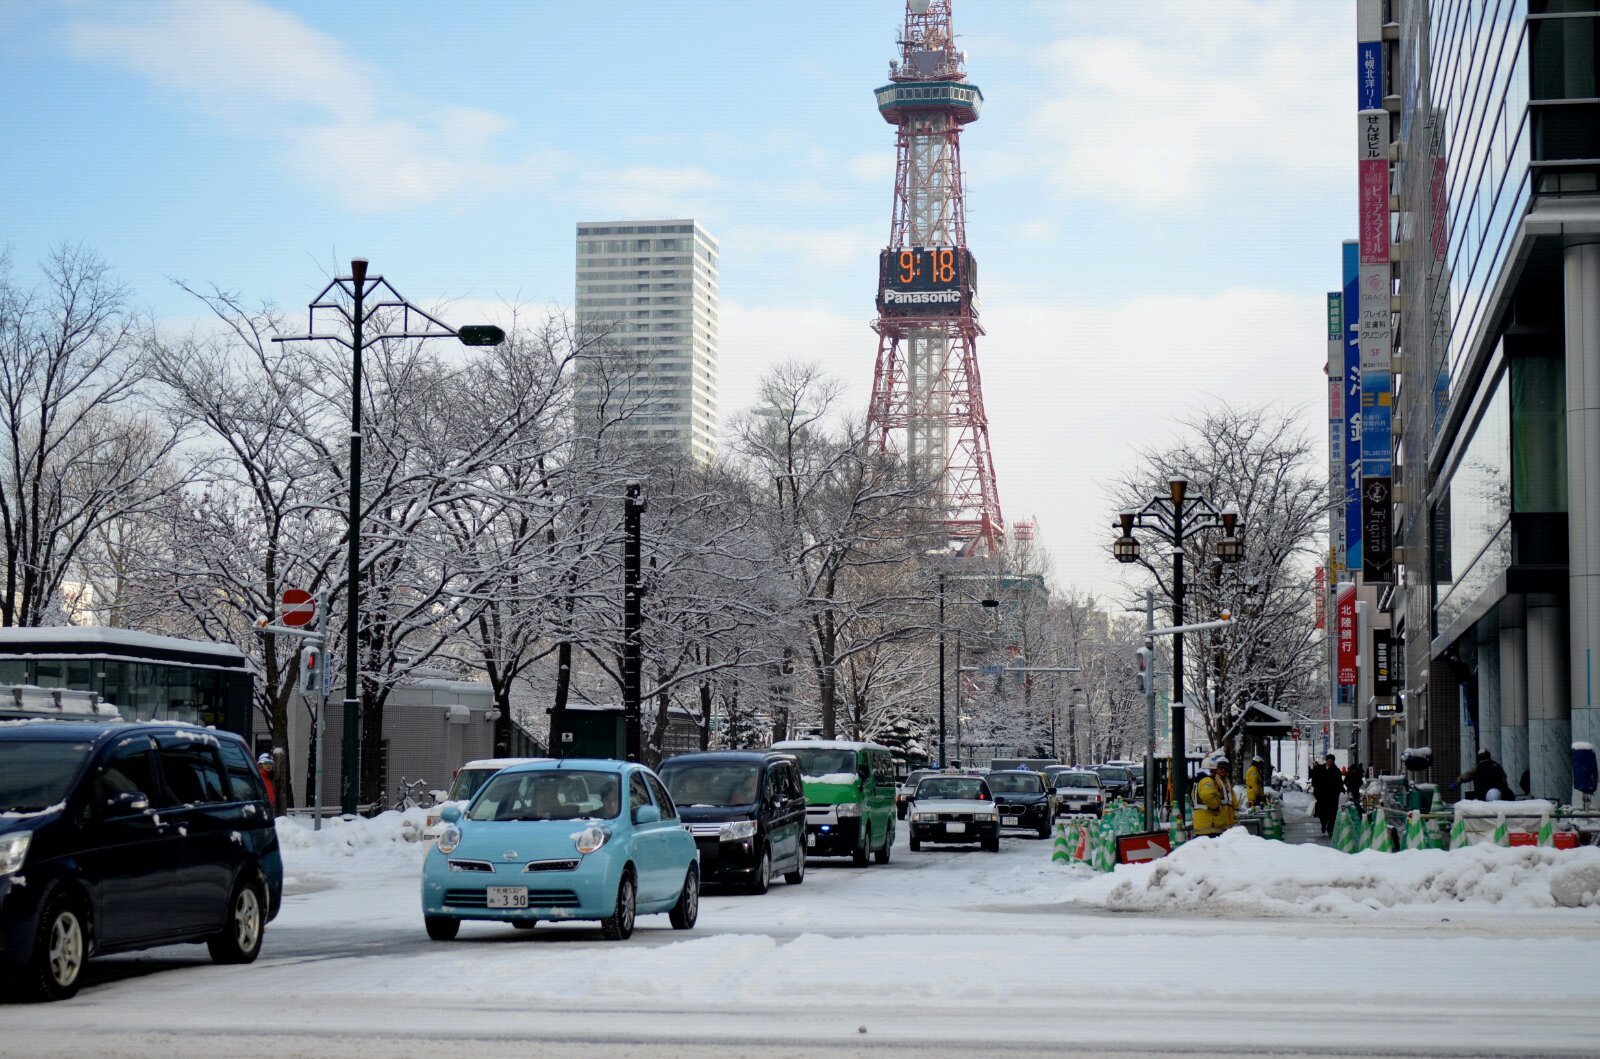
926	383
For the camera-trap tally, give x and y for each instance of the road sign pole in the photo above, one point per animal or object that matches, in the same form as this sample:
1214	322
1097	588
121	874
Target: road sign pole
1150	711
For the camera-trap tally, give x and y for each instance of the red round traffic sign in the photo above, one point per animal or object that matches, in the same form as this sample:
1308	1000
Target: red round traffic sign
297	607
1295	734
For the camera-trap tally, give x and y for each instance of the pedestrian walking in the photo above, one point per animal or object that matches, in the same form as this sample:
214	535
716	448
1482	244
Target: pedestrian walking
264	767
1325	786
1352	783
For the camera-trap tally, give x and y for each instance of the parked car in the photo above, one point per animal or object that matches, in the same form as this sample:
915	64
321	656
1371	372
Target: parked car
1023	801
1077	791
746	811
1118	782
904	790
947	808
849	798
468	779
117	836
575	839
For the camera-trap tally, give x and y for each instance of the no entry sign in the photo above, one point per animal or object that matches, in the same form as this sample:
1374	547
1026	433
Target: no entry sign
297	608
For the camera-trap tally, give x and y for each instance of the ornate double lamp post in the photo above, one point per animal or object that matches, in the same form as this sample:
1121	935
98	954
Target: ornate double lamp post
1174	519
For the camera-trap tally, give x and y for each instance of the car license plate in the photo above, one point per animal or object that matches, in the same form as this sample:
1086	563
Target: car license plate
507	897
1009	821
811	841
955	829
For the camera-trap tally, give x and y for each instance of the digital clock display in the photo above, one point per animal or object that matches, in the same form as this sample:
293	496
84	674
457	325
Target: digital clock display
925	281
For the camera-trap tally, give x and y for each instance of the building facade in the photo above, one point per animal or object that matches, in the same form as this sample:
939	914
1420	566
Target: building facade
647	300
1494	283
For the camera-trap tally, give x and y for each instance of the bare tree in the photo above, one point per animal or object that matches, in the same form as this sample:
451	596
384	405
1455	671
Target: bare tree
81	450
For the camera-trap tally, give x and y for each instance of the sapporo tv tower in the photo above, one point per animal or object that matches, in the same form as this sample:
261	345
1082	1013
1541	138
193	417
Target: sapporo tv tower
926	382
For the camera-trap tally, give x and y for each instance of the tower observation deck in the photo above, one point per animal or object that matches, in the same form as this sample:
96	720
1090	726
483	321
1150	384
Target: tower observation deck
927	395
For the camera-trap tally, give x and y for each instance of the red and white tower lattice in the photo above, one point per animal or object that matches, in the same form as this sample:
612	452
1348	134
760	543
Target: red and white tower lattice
926	383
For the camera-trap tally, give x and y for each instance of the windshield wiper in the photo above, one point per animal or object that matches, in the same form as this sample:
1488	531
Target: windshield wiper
22	808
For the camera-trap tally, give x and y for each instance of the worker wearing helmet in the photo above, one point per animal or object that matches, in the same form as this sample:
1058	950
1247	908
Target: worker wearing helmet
1253	782
1213	801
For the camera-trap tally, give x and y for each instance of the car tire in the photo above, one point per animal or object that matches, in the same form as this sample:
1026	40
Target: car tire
687	910
798	876
861	855
619	925
1044	829
761	878
239	941
992	845
915	843
524	924
882	855
442	928
60	948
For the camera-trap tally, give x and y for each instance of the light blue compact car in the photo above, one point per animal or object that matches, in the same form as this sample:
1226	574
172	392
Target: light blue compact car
563	840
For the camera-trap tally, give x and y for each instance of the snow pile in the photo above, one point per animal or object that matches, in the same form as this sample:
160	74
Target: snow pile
1298	803
1239	874
378	843
1510	809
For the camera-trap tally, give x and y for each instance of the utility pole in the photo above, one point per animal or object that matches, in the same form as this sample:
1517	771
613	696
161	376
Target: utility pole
1150	709
632	620
944	761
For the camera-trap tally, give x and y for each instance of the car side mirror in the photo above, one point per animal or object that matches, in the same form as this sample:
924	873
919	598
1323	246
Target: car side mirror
127	802
647	814
450	814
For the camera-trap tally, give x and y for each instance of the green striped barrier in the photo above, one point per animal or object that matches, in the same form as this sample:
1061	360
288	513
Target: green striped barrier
1272	822
1547	832
1502	834
1459	839
1346	829
1416	834
1061	853
1381	841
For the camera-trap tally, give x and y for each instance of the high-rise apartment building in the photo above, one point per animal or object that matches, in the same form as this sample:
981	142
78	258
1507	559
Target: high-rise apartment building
650	287
1493	276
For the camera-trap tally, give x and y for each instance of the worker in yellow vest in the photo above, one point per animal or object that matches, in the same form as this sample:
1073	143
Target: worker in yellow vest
1253	782
1213	801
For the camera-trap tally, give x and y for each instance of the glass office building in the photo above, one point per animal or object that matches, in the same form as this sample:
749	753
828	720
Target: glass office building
1496	264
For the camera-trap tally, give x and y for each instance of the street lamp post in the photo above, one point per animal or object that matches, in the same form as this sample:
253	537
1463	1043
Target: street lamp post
987	604
1175	518
356	287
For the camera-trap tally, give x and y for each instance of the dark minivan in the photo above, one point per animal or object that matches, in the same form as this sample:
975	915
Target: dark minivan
127	836
747	812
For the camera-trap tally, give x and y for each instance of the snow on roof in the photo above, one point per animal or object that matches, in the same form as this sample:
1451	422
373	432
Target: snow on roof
99	635
827	744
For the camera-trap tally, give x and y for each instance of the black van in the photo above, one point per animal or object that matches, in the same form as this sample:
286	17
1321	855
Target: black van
747	812
127	836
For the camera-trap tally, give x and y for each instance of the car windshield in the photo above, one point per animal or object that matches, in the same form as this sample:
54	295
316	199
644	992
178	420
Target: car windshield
1077	779
549	794
35	775
467	783
1016	783
817	762
1114	775
711	783
958	788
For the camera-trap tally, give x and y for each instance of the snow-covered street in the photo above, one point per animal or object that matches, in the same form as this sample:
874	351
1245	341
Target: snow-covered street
951	951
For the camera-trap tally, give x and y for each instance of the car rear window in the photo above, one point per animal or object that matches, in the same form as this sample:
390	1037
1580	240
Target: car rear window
35	775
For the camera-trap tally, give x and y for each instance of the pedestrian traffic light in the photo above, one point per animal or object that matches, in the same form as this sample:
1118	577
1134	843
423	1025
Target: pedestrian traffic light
311	670
1146	659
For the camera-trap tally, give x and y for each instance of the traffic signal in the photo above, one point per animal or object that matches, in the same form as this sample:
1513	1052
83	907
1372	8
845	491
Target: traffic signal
1147	670
480	335
311	670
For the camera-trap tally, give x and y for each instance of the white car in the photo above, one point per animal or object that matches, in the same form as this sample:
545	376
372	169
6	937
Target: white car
468	779
948	808
1078	792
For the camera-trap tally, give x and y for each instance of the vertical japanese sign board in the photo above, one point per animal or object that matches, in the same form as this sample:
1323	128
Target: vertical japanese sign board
1383	673
1351	470
1376	345
1344	618
1336	518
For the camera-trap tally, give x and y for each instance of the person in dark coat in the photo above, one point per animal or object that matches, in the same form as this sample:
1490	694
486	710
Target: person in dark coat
1354	776
1486	776
1325	786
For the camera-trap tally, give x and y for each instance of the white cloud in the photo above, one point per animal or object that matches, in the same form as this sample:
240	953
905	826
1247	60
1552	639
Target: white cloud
1072	391
1166	103
650	191
337	122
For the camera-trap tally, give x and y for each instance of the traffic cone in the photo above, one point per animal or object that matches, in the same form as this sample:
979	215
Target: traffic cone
1080	844
1459	838
1382	840
1177	834
1059	853
1416	837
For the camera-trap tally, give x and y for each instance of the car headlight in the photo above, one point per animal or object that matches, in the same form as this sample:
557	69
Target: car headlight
848	809
925	818
986	814
590	839
449	839
737	829
13	850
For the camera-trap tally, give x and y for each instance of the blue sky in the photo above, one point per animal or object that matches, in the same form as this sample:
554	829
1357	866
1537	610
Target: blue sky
1156	190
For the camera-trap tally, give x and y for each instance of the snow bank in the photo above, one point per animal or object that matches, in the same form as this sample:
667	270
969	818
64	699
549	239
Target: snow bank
380	843
1239	874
